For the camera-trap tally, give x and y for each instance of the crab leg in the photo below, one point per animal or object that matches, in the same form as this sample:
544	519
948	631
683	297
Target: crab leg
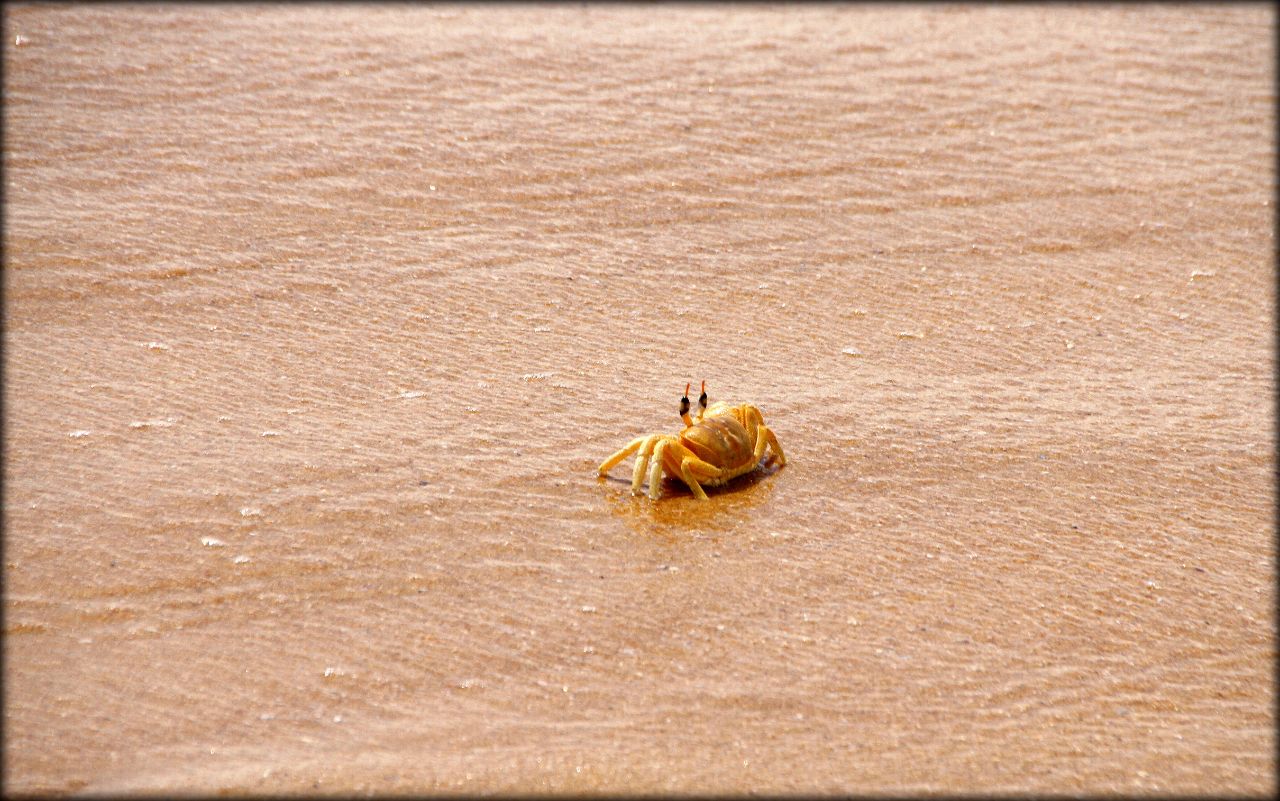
751	420
767	434
686	473
642	462
655	469
760	434
608	464
765	437
688	467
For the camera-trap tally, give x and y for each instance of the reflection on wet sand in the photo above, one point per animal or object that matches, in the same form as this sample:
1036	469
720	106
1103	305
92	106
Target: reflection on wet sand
676	512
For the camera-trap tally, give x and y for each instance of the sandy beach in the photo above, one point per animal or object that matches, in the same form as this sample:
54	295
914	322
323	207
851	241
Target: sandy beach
319	319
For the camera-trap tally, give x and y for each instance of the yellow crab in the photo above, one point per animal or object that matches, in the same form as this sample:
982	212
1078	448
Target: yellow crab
720	444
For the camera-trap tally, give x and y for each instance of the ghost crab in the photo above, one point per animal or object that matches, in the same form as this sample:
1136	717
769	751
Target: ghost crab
723	442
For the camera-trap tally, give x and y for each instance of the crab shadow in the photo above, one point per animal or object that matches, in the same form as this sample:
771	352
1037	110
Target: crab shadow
676	503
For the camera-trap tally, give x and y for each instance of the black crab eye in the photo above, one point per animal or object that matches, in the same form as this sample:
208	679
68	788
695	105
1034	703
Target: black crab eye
702	399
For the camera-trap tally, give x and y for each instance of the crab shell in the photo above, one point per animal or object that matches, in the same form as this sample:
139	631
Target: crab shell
721	438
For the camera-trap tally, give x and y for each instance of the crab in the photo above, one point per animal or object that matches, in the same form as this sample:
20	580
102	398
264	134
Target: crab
723	442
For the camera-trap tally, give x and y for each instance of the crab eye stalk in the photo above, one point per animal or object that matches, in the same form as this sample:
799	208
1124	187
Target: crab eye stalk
702	399
684	407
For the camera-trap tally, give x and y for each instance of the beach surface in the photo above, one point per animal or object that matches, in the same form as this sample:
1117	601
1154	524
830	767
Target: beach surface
318	321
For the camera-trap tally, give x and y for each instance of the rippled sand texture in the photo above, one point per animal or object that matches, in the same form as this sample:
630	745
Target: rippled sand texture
319	320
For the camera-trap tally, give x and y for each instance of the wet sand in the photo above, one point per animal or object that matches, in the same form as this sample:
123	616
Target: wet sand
318	321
